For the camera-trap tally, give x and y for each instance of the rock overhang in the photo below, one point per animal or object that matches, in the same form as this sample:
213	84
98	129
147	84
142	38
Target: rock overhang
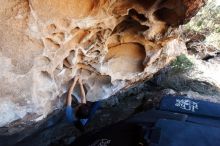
112	44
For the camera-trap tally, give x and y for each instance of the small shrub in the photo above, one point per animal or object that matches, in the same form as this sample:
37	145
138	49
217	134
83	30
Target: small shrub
199	23
181	64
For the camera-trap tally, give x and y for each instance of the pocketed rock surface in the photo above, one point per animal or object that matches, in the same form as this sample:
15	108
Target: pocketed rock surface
111	44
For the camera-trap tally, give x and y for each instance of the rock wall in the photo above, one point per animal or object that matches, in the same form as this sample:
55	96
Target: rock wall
111	44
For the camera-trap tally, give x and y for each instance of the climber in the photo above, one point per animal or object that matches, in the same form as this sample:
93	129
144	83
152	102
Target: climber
84	111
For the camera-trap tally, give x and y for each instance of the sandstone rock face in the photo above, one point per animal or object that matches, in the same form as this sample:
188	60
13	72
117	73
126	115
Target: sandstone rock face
111	44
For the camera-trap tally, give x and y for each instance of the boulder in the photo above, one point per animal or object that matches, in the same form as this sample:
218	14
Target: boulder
111	44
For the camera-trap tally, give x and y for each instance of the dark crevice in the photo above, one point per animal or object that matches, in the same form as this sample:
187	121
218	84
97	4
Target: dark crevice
129	23
134	13
171	11
167	15
207	57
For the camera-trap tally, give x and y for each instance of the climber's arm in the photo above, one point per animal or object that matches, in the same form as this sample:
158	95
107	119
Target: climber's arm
69	97
83	95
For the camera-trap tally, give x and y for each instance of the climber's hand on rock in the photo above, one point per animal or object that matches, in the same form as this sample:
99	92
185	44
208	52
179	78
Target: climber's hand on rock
80	80
77	77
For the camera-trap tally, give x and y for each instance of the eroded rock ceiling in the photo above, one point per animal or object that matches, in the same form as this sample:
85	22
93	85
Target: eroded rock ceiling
112	44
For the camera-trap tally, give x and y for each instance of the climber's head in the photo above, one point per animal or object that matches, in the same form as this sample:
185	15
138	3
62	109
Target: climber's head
83	111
